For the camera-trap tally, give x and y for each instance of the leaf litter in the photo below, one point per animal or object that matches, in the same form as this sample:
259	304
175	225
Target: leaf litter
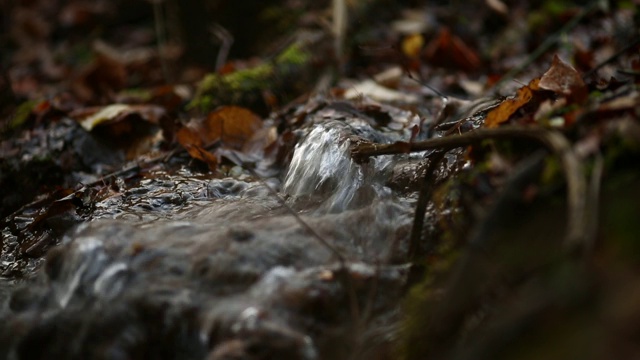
552	224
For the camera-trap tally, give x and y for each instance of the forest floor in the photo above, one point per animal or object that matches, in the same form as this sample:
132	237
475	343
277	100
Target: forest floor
524	241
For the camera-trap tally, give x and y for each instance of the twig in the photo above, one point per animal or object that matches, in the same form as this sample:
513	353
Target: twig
158	20
593	202
553	140
436	91
343	275
421	206
309	229
226	40
339	27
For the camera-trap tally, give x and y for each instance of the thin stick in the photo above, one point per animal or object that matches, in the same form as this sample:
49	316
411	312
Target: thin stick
226	40
553	140
309	229
421	206
343	275
593	201
339	27
436	91
161	40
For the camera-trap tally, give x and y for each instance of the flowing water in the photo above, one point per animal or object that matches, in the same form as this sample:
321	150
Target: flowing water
190	267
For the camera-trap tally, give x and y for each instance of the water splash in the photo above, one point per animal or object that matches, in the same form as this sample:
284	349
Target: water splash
322	167
88	263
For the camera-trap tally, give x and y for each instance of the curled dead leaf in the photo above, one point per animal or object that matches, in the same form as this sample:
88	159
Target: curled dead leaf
564	80
197	152
131	128
507	108
235	127
91	117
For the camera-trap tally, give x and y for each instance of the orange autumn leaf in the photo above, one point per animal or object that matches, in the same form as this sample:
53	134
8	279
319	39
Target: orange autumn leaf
197	152
189	135
234	125
507	108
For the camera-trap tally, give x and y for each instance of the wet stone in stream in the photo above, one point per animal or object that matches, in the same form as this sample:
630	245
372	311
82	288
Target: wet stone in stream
189	267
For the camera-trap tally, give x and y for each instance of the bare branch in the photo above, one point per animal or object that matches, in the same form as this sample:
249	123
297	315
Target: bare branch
551	139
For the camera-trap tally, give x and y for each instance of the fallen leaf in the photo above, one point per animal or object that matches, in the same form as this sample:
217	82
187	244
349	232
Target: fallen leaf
197	152
412	44
234	125
132	128
377	92
104	76
91	117
564	80
507	108
498	6
449	51
189	135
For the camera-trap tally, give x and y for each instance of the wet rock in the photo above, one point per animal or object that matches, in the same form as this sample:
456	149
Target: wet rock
118	280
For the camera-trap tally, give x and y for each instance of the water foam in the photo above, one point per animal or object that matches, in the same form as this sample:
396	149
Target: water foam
322	166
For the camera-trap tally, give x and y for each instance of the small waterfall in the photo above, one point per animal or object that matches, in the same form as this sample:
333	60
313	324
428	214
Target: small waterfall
210	264
322	167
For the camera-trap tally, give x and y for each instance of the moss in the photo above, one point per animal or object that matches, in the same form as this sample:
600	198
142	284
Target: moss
283	77
293	55
22	114
137	94
423	297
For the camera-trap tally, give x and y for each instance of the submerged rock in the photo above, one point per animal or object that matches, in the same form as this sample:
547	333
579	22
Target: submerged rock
189	267
180	290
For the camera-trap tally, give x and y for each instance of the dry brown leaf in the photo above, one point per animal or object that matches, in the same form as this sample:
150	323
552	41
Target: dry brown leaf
449	51
107	115
197	152
104	76
564	80
131	128
507	108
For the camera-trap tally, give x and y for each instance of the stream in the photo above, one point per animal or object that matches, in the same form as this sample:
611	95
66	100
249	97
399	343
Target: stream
307	264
